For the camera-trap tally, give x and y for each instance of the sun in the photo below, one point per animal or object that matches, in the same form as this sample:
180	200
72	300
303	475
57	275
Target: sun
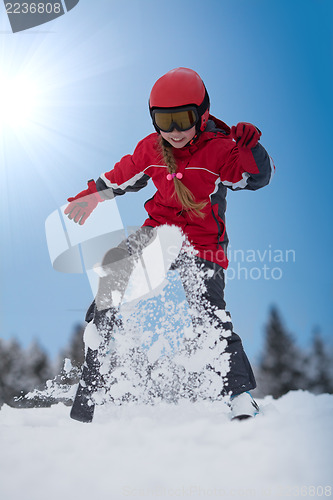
18	100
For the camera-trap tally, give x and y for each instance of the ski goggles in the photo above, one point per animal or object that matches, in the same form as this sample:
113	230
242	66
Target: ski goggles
182	119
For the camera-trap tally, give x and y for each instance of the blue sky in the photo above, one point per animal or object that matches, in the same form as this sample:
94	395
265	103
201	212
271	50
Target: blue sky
269	63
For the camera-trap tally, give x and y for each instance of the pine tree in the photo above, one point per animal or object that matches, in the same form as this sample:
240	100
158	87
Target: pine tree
12	371
281	368
38	365
319	366
67	373
75	349
21	371
70	359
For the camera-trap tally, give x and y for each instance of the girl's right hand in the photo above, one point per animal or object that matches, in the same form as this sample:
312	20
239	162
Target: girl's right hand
82	205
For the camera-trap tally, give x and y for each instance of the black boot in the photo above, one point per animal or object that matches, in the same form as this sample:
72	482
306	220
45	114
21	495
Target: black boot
91	379
84	406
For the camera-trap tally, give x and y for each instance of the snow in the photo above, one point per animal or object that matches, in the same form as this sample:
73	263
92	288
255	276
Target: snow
175	449
156	258
91	336
185	450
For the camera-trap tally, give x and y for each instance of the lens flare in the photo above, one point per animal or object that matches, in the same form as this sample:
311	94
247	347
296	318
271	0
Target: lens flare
18	100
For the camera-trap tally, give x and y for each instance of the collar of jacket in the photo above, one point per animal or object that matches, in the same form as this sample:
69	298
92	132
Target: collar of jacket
214	127
217	125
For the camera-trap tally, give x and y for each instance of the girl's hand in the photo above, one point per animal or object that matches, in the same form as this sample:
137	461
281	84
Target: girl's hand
81	205
245	134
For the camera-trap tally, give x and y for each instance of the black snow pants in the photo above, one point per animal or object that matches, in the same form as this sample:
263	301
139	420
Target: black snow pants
116	269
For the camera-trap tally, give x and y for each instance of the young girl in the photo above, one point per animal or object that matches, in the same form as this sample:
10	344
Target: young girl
192	159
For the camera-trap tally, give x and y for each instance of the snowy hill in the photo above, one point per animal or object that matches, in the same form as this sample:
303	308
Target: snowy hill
189	450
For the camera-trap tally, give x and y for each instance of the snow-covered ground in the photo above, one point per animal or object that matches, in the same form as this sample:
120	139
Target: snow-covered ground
189	450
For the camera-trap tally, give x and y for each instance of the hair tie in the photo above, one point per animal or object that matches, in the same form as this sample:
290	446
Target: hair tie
171	176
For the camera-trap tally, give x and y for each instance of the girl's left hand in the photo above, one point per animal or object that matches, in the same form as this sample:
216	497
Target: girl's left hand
245	134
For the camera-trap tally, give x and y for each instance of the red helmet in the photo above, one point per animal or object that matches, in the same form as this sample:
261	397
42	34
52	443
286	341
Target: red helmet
181	87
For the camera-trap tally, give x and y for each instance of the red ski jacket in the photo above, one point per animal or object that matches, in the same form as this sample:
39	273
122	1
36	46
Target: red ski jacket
209	166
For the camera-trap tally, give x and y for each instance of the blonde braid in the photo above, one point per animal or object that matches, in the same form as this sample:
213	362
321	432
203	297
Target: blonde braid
184	195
